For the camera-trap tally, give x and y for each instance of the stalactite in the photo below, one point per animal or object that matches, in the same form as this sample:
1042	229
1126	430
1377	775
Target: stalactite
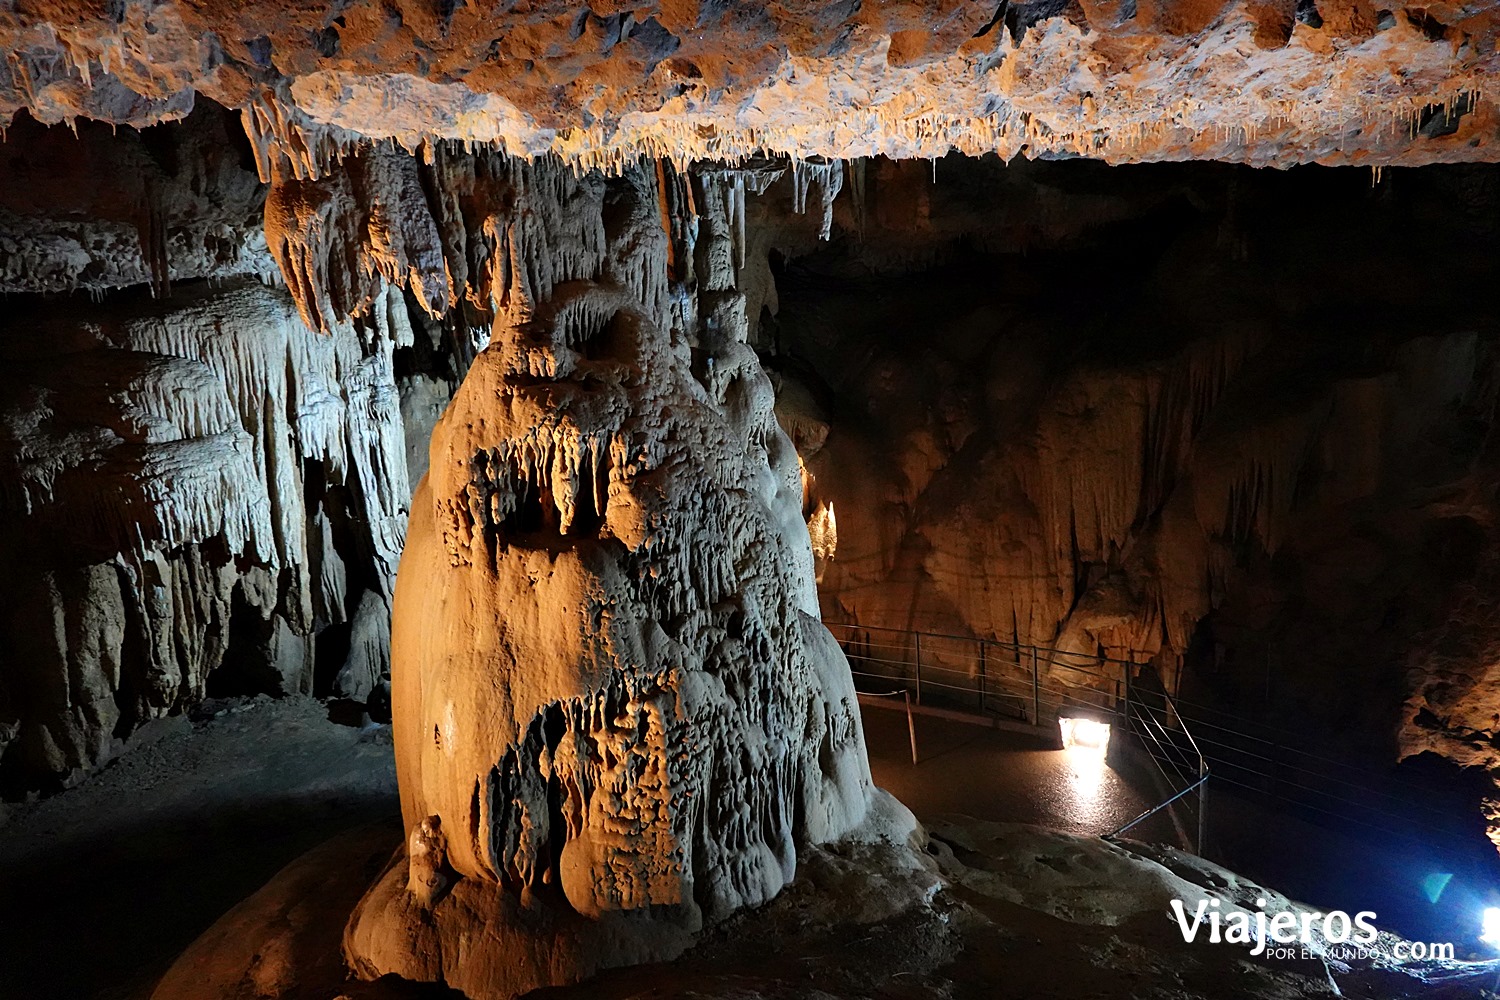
199	502
829	177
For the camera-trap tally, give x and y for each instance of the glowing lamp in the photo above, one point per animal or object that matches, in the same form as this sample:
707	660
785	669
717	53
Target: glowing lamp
1082	733
1491	935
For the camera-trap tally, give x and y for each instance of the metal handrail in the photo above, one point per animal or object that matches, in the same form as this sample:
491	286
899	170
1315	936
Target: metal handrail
1017	664
1020	647
1023	664
1159	807
1200	785
1010	677
911	726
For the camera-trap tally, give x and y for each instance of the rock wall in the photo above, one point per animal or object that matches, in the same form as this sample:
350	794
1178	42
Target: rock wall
195	490
1452	669
201	494
1181	430
617	714
93	208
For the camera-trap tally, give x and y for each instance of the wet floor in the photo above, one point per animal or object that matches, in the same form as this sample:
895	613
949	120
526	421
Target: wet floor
998	775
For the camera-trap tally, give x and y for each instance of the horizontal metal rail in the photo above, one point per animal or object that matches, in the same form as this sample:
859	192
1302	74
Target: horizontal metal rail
1033	683
997	677
1028	648
1186	742
1189	763
1160	806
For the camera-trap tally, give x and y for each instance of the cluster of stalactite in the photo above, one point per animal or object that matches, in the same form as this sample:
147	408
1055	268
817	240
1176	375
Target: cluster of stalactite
1246	81
1250	504
193	491
204	494
1119	514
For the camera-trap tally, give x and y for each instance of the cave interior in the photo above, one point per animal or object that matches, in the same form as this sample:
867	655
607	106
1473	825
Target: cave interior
546	441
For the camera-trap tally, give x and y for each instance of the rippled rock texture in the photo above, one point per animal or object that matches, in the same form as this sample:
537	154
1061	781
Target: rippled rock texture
618	716
201	493
1261	81
1175	423
193	490
616	711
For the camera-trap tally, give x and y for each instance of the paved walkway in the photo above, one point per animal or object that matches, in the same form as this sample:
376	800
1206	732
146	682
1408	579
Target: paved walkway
998	775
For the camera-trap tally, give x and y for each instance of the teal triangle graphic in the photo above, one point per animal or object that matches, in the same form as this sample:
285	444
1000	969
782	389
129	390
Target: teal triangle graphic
1434	884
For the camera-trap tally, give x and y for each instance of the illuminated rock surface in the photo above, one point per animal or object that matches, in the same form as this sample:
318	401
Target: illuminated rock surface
618	719
1336	81
176	474
1111	454
616	711
1049	412
986	903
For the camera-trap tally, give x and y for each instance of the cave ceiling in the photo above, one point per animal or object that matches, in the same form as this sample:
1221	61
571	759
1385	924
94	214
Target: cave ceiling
1267	82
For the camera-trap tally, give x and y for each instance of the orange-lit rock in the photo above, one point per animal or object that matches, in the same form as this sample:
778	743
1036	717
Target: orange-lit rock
616	712
1249	80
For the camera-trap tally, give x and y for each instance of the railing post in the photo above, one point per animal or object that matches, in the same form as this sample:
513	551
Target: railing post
1036	692
911	727
981	675
917	642
1202	802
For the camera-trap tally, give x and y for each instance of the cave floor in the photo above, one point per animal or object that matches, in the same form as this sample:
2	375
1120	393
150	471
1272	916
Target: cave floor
997	775
1007	777
106	883
117	876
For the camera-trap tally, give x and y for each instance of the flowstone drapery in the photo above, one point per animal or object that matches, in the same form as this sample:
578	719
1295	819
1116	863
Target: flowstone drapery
616	710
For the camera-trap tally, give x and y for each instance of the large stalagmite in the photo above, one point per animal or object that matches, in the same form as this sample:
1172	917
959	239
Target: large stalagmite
616	710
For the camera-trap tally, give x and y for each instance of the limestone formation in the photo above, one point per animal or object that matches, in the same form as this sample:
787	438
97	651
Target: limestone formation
1113	515
617	715
192	489
1175	462
94	208
616	711
1332	81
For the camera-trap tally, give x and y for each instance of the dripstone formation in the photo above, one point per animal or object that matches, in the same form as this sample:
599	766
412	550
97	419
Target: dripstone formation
1331	81
182	484
511	251
616	711
201	495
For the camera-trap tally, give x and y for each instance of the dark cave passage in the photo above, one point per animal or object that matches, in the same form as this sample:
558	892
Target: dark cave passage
1162	415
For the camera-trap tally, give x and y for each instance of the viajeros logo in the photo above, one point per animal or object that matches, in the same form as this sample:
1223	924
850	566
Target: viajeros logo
1295	933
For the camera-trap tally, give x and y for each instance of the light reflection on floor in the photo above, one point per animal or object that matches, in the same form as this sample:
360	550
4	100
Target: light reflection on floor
1087	771
996	775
